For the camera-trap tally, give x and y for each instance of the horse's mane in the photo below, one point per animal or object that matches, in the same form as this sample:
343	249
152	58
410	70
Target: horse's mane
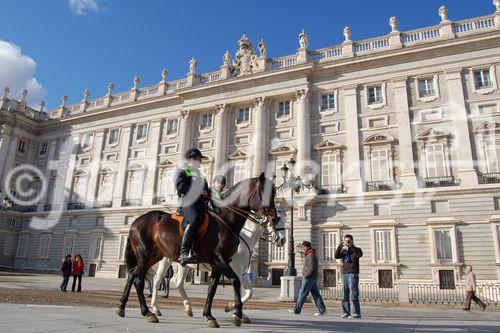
237	187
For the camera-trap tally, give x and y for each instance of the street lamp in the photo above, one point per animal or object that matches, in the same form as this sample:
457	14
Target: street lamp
6	204
294	184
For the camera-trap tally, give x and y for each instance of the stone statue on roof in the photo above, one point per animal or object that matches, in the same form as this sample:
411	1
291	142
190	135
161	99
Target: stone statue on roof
245	61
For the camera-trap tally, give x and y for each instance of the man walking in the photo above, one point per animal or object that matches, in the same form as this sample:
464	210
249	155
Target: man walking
309	274
470	288
350	255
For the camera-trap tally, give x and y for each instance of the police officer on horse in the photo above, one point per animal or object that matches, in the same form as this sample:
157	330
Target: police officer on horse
194	195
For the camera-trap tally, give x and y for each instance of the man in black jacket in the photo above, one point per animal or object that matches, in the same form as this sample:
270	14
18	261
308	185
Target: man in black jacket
309	274
192	188
350	255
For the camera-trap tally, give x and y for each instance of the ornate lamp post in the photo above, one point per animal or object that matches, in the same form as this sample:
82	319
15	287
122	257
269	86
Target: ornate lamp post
6	204
295	184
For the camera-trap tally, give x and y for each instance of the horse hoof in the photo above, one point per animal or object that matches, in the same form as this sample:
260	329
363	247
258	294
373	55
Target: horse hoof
236	321
188	312
152	318
212	323
158	313
120	312
246	320
229	307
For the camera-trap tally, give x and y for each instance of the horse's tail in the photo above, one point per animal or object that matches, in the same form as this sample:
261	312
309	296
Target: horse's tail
130	258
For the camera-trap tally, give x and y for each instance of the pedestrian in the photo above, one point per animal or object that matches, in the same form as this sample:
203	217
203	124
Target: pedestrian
470	288
166	280
350	255
66	272
78	271
309	276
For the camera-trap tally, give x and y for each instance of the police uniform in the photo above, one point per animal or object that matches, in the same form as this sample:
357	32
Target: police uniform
190	185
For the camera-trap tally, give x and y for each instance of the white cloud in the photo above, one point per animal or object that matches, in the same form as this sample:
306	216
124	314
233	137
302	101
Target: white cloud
17	71
82	7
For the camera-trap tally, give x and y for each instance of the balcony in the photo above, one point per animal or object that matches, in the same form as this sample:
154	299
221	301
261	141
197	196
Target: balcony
332	189
441	181
49	207
103	204
169	199
75	205
380	186
23	209
489	178
132	202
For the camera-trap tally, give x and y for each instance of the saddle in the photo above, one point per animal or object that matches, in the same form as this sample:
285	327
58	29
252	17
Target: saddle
202	230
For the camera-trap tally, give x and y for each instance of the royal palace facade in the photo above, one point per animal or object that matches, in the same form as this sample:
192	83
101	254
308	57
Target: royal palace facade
400	133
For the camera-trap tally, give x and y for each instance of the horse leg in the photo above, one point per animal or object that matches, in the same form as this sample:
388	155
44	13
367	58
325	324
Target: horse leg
139	287
248	295
212	288
126	292
162	267
238	305
181	278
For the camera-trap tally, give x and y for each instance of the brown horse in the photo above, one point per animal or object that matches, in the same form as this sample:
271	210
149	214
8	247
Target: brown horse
154	235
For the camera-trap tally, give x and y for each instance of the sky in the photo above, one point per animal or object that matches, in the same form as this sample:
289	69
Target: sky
57	47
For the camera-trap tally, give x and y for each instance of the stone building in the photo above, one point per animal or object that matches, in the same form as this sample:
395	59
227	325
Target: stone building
401	133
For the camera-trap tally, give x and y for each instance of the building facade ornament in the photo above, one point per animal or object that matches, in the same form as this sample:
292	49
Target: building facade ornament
302	94
443	13
164	75
42	105
259	101
137	80
303	40
192	66
24	96
111	86
226	59
220	109
347	34
185	113
64	100
6	91
496	3
245	61
393	23
262	48
86	95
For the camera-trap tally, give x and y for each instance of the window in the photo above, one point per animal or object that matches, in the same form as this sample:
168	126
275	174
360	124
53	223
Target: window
435	160
63	145
44	246
142	132
443	245
172	126
330	170
113	136
167	188
95	247
375	95
87	140
327	102
121	249
277	170
22	246
440	206
206	121
496	203
278	253
21	147
482	79
383	246
283	109
135	187
79	189
7	246
13	223
69	245
243	116
329	241
492	152
43	149
380	165
426	87
240	171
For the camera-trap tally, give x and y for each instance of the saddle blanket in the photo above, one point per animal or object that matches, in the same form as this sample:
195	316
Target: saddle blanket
202	230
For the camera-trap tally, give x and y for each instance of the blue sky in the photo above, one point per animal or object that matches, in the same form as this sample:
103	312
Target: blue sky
73	48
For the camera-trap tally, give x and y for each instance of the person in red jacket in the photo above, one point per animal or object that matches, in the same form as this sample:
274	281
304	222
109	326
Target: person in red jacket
78	266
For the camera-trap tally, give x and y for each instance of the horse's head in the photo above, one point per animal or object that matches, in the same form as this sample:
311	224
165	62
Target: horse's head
278	235
261	201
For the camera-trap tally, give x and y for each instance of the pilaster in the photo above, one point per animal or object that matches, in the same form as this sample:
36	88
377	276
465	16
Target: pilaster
51	152
260	136
150	182
353	164
96	162
122	168
303	133
220	138
185	132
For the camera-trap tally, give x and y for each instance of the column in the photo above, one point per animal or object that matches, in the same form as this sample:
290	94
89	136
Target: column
122	167
466	172
71	161
260	134
95	166
406	162
220	138
11	154
185	132
5	140
150	181
51	152
303	133
353	165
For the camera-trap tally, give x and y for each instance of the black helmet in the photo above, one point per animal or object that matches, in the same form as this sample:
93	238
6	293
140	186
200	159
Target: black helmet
193	153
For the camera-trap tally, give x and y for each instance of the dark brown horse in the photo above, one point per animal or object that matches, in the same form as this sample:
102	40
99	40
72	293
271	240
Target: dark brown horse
154	235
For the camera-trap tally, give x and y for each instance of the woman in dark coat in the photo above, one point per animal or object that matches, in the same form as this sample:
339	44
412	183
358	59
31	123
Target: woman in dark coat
78	266
66	272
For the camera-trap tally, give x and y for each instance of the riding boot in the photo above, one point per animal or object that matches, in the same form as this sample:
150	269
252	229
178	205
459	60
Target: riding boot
186	256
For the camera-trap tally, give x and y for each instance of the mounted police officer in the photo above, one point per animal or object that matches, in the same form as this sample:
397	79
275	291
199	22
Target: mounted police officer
216	192
193	190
